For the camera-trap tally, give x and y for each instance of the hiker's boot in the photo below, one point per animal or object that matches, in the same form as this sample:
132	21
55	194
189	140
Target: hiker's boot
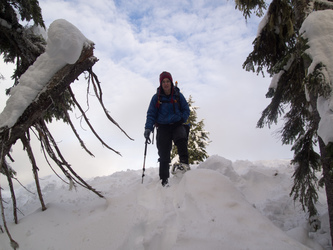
180	167
174	168
185	167
165	183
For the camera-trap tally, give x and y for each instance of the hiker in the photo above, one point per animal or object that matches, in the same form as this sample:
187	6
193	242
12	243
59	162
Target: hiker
168	110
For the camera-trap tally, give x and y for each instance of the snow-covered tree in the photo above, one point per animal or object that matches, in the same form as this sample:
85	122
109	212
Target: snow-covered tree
294	45
42	92
22	44
19	43
198	138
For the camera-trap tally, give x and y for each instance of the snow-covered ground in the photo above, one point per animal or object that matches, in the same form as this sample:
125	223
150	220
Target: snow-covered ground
219	204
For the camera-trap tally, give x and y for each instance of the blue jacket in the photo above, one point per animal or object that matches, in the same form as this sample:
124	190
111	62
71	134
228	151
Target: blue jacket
167	112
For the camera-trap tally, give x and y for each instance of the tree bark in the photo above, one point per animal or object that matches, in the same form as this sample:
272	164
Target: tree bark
327	164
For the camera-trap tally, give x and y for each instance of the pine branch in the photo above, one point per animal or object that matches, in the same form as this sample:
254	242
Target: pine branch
13	243
89	124
68	119
23	186
45	138
11	187
62	161
48	162
35	169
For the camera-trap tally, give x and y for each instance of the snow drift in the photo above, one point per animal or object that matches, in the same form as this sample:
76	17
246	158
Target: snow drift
217	205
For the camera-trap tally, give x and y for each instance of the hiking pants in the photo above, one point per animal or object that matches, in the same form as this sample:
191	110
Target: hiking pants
165	135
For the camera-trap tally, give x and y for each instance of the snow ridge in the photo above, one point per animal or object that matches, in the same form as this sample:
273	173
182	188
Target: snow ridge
216	205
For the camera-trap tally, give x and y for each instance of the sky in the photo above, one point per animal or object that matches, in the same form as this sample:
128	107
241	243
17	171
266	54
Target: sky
203	44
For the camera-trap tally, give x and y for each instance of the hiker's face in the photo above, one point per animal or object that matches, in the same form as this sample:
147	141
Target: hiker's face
166	85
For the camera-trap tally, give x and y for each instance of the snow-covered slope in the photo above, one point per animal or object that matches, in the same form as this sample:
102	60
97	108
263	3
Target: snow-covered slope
217	205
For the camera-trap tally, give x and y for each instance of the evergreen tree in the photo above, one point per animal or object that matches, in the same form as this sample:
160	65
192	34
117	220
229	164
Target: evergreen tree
198	138
23	44
20	44
280	49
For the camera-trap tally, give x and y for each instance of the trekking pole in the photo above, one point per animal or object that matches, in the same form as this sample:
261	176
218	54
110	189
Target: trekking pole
144	158
153	135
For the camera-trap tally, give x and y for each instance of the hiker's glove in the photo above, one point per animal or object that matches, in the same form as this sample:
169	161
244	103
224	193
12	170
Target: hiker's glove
147	133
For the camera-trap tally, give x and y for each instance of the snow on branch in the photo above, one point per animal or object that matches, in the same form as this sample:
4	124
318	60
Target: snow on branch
43	92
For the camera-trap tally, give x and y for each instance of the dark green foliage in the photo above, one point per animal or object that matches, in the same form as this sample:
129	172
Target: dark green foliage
276	39
57	109
329	151
289	95
247	6
281	50
17	42
307	163
21	45
27	9
198	138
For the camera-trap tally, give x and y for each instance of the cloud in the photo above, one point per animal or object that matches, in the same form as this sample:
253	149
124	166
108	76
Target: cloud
202	43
